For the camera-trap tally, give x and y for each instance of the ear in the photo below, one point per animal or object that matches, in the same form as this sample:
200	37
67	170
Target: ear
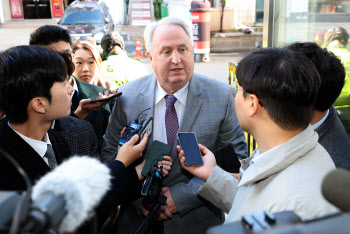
254	105
38	104
149	56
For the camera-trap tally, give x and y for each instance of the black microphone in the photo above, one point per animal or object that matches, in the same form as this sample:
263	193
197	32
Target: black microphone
65	197
336	188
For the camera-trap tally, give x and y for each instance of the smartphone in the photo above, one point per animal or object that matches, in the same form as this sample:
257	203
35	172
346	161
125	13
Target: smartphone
156	153
106	99
227	159
189	145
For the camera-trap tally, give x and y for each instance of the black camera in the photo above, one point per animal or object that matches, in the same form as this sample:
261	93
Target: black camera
151	192
151	187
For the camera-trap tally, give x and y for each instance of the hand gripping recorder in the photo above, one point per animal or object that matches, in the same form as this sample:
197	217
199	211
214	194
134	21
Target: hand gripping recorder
139	126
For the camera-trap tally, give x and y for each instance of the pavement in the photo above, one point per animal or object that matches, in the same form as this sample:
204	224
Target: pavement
15	33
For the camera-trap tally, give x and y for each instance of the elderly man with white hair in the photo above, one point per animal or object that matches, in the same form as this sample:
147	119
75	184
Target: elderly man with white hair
179	100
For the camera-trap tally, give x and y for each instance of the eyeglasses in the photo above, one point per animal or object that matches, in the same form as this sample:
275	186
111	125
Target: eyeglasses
70	51
234	90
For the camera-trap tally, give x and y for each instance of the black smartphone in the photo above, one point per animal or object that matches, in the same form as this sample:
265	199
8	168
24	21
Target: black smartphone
107	98
156	153
227	159
189	145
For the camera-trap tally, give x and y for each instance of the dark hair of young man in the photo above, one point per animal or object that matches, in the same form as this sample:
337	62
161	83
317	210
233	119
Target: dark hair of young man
286	83
48	34
330	68
27	72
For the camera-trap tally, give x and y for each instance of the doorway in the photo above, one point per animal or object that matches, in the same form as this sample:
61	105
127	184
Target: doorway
36	9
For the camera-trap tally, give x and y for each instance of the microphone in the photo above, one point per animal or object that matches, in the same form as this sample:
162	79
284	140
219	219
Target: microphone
67	195
336	188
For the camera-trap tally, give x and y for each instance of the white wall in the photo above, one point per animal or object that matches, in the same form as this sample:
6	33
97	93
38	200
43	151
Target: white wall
244	10
2	17
116	9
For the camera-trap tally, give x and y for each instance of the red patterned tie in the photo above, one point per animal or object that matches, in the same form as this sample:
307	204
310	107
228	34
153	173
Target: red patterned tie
171	122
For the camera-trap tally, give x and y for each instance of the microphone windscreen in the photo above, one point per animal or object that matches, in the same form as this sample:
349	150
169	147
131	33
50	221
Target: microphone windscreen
336	188
83	181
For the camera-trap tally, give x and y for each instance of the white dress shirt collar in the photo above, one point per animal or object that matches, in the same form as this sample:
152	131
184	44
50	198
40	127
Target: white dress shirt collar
319	123
75	87
39	146
181	94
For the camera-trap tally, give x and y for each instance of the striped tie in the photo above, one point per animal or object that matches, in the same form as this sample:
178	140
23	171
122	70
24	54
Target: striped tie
50	155
171	121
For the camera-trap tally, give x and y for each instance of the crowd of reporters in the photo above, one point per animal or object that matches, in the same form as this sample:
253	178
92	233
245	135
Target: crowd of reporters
283	97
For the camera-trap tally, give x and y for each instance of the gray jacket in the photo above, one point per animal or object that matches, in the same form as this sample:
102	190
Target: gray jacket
286	177
210	113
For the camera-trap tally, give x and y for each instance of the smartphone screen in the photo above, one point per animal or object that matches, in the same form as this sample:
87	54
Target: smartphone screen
189	145
107	98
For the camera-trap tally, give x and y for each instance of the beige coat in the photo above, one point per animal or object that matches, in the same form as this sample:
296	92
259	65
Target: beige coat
287	177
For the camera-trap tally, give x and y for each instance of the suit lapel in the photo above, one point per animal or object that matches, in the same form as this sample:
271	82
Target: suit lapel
146	100
193	105
23	153
84	92
60	146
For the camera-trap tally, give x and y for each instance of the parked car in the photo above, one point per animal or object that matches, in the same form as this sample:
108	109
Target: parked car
84	19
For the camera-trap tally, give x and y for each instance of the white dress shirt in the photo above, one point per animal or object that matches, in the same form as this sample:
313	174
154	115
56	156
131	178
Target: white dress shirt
159	130
39	146
75	87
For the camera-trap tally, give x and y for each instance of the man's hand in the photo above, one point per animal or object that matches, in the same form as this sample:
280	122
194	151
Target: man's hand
85	107
166	164
129	152
235	175
162	213
203	172
170	204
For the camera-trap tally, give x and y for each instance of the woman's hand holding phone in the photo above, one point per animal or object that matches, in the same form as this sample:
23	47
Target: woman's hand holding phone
129	152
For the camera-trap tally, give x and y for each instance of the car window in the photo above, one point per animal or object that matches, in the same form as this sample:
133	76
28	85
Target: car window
83	17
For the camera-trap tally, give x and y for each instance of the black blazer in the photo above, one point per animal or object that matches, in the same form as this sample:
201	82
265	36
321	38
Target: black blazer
26	156
98	118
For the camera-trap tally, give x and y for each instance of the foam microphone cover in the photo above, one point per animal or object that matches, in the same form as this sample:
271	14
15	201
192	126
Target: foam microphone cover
336	188
83	181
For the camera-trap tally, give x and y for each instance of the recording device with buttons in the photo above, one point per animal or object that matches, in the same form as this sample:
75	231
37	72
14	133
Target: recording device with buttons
139	126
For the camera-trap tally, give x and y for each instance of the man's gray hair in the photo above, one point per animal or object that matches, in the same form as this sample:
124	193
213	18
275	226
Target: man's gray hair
165	21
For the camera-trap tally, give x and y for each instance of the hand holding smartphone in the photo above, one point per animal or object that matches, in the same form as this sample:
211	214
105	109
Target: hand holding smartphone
189	145
107	98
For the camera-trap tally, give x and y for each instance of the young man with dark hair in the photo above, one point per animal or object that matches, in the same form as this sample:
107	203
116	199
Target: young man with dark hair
33	93
274	99
51	35
331	132
336	40
97	114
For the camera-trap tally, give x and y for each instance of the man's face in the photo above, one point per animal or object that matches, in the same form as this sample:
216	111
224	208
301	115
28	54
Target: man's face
240	105
61	100
60	46
171	57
